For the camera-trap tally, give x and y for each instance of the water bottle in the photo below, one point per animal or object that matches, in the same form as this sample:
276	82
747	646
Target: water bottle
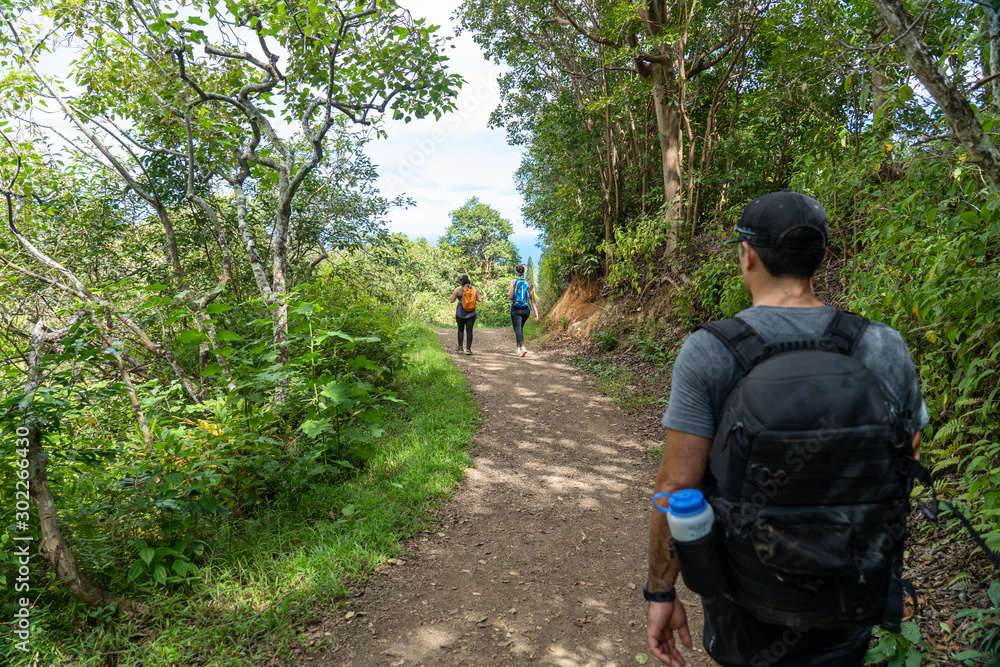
691	522
688	515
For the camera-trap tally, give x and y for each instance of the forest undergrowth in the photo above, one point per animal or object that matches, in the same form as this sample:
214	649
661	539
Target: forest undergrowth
264	574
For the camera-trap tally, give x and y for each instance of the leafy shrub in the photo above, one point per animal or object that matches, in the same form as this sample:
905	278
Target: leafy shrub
631	255
654	350
606	340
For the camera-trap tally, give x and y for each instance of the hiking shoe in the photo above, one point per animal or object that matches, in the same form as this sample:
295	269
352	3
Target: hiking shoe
459	349
523	352
468	351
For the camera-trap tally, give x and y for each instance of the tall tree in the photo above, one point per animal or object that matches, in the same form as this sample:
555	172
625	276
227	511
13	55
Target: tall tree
948	93
482	236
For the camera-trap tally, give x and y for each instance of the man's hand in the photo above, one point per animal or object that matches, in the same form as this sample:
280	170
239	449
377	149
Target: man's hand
536	315
664	619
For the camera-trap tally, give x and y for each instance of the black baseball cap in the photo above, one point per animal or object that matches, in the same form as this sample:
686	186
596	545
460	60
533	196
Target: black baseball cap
767	220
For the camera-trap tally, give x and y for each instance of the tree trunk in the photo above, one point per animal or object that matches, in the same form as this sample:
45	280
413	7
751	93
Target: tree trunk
665	103
956	107
993	27
53	546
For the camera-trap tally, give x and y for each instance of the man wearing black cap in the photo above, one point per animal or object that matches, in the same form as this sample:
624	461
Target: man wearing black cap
782	240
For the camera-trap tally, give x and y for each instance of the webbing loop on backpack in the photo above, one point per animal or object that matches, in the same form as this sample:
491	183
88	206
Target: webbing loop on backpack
974	534
845	330
741	339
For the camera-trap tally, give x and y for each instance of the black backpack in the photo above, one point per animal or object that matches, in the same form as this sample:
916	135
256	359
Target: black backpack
810	476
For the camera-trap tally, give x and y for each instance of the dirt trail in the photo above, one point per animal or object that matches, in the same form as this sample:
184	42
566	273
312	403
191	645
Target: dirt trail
541	555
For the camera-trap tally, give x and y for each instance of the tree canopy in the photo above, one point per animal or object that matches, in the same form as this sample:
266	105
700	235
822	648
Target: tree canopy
478	233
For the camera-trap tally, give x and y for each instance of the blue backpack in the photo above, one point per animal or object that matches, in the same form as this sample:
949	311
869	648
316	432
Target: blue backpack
521	294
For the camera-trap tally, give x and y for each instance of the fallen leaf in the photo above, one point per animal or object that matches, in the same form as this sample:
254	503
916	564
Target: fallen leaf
512	573
641	658
480	619
349	614
482	562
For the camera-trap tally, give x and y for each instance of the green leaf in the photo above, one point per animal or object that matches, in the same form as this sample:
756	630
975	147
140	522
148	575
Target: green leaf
214	308
147	555
188	336
175	478
160	574
911	631
224	335
210	370
209	503
969	655
137	568
179	567
337	392
316	427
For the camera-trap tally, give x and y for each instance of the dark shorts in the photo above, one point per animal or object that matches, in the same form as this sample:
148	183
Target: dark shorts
735	638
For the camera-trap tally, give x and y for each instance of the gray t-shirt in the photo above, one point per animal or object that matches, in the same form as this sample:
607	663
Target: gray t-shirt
705	370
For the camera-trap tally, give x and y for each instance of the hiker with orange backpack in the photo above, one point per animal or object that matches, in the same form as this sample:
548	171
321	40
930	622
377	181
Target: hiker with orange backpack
522	302
465	312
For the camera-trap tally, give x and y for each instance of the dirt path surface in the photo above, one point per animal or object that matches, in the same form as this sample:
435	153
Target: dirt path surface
540	556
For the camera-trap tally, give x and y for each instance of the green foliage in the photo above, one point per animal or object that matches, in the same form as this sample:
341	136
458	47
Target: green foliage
481	238
631	258
983	631
606	340
900	649
654	350
260	579
716	290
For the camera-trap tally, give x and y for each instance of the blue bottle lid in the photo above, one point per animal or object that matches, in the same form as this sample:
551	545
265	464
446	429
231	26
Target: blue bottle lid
686	502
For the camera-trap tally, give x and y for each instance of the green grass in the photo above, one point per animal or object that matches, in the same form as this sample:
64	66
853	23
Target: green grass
619	384
268	574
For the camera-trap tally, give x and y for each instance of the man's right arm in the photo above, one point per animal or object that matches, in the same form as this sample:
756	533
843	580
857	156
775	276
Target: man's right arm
685	458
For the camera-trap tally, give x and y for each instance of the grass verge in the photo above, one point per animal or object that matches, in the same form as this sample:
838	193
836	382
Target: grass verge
627	388
269	574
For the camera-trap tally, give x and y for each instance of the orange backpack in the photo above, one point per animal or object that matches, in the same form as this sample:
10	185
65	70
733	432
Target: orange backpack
469	299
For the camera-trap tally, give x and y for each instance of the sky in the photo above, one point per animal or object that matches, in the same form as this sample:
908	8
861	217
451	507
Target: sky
441	164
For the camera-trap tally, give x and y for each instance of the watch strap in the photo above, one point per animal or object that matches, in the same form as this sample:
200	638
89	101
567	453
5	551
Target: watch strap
668	596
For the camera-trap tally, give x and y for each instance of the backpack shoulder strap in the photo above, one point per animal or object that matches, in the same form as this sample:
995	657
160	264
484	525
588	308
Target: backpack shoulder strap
742	341
845	330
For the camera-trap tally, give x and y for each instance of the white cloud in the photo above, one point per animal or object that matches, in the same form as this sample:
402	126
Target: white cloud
441	164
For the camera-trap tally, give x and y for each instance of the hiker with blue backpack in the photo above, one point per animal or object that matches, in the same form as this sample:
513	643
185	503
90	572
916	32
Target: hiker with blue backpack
522	303
467	296
801	426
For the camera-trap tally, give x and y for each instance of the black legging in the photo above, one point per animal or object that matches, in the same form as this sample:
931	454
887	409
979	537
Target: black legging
463	324
518	317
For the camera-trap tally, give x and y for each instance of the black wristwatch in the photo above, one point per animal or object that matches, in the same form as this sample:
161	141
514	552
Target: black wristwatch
669	596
